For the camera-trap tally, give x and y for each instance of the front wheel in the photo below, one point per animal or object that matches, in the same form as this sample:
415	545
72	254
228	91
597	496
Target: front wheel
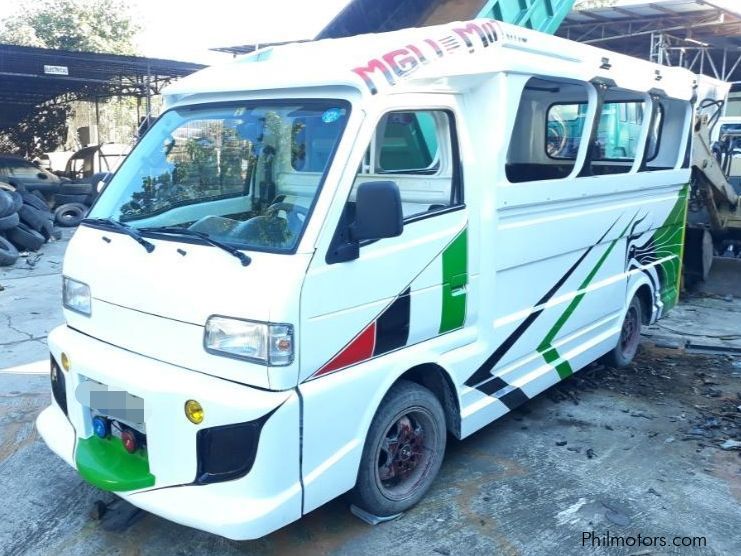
403	451
630	336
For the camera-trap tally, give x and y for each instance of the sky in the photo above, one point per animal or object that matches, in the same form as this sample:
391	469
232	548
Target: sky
187	29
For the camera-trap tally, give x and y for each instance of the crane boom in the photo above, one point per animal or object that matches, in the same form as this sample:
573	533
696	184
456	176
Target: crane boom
375	16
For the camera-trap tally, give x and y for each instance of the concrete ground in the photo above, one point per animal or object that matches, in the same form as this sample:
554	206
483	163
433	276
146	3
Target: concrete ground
631	452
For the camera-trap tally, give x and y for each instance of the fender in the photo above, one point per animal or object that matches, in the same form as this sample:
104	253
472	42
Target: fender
331	463
636	280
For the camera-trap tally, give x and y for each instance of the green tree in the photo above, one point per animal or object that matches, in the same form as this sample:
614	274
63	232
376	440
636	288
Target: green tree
79	25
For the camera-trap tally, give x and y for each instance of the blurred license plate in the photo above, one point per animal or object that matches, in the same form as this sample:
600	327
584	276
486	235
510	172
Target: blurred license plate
114	404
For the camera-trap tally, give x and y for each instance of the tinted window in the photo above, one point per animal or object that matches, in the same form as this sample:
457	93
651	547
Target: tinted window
227	171
313	139
619	131
415	150
408	143
564	127
21	169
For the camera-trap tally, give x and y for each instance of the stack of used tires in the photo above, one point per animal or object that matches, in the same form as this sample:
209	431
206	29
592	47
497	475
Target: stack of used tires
26	223
73	200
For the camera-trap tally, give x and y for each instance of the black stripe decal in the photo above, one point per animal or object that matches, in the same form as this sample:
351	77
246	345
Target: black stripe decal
483	373
514	398
492	386
392	327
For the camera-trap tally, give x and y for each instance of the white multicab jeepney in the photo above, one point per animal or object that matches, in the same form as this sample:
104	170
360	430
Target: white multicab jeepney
325	256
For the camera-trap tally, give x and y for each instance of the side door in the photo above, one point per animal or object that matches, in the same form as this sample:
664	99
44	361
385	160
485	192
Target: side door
391	295
357	315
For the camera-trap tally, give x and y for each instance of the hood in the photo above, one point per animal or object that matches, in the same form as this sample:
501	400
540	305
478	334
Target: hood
157	304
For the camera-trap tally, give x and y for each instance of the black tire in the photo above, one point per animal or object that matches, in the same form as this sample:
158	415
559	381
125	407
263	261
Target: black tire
8	252
17	200
625	351
32	217
70	214
76	188
403	451
10	221
6	203
63	199
47	230
34	201
25	238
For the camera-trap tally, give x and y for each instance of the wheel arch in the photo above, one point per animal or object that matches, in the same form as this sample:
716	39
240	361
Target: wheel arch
436	379
645	296
643	289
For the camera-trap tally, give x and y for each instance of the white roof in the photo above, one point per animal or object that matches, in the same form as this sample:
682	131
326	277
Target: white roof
451	57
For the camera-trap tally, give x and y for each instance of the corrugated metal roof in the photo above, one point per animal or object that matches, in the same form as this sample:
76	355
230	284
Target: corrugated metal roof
31	76
701	35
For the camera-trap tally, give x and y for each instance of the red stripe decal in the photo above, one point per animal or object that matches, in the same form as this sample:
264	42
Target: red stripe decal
360	349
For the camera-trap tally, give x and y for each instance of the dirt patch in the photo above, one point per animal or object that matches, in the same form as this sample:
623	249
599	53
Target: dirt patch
692	400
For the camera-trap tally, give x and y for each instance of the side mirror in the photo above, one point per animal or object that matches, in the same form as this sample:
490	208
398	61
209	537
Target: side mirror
375	214
378	211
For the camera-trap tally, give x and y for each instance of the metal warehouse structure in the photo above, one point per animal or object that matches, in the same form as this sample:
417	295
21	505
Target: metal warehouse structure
696	34
30	77
378	16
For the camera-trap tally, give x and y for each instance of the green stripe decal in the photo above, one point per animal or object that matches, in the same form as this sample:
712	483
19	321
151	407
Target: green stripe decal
683	198
455	278
545	348
668	242
106	464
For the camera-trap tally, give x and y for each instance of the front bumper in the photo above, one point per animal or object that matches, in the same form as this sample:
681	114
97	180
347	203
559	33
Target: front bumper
263	500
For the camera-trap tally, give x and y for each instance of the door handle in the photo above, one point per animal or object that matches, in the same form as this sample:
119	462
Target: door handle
457	282
458	290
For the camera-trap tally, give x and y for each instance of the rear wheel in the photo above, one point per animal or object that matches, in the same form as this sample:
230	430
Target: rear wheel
630	336
403	450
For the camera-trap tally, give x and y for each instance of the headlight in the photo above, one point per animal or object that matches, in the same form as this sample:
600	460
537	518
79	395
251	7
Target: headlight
76	296
255	341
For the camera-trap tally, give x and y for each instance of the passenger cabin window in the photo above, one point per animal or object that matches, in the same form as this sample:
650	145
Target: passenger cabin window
415	149
553	126
564	130
619	131
549	130
669	149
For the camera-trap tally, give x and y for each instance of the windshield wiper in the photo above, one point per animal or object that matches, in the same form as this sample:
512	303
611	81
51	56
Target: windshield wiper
244	259
124	229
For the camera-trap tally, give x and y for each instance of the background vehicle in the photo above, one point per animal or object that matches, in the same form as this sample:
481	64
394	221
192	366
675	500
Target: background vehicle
54	161
714	216
20	173
95	159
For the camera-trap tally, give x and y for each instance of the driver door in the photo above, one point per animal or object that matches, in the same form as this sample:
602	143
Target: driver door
398	292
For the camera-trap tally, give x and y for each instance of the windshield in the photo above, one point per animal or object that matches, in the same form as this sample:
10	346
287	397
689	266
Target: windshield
247	174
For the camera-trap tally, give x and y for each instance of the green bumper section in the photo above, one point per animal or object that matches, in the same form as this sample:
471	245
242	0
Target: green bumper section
106	464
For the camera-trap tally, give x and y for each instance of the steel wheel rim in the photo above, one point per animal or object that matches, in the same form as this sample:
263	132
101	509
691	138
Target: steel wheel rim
630	333
405	453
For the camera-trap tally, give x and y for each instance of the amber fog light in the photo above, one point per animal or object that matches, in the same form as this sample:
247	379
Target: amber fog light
194	412
66	364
